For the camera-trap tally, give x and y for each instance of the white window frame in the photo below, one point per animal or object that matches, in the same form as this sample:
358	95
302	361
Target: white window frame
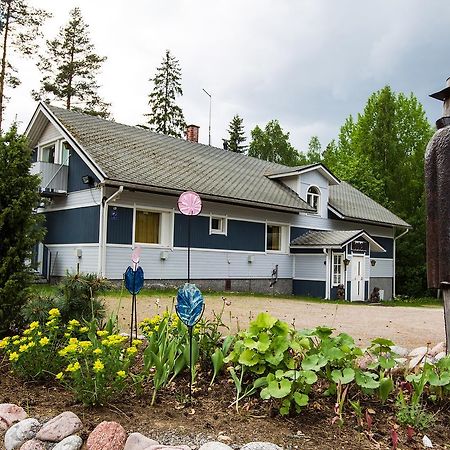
284	232
224	222
316	195
166	219
342	269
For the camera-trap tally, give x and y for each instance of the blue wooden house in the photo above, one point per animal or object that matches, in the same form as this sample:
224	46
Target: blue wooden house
112	187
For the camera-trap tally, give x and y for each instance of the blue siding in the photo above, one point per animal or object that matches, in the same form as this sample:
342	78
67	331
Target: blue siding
72	226
387	244
348	291
77	168
307	251
120	225
309	288
366	290
241	235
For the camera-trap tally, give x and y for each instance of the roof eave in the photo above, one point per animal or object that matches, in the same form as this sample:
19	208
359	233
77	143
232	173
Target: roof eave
205	196
326	172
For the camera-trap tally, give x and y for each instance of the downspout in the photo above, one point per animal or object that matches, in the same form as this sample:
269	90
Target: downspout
103	228
327	274
393	279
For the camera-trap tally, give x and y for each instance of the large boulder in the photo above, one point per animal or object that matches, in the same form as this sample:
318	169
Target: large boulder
10	414
21	432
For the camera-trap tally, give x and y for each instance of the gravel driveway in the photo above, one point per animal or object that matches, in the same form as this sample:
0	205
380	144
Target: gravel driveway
406	326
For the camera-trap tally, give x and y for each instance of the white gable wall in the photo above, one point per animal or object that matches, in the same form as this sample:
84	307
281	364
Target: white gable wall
50	134
314	178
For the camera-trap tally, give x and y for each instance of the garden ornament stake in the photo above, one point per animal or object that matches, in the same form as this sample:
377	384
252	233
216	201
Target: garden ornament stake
190	303
437	185
134	281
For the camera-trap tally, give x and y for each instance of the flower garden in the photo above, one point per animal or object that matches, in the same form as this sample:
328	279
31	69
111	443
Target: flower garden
271	371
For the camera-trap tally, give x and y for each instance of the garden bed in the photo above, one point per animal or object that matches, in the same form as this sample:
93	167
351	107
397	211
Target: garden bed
171	420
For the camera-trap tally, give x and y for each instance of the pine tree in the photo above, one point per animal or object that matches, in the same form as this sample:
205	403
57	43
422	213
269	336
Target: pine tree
19	30
166	116
236	135
70	67
314	154
20	227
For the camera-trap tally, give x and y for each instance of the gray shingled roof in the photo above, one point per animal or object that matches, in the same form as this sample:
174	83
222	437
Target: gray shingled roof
325	238
353	204
140	157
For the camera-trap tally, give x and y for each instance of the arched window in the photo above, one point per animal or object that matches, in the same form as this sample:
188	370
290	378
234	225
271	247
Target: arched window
313	198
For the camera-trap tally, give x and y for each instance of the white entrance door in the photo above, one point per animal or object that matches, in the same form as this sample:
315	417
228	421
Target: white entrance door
357	278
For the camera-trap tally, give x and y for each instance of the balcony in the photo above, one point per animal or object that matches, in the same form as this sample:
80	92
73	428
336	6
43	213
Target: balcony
53	178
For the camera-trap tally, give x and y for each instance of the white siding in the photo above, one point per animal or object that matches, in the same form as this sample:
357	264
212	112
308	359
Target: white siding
50	134
310	267
383	268
205	264
314	178
79	199
64	258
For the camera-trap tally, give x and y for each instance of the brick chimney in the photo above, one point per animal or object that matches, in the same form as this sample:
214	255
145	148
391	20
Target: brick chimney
192	133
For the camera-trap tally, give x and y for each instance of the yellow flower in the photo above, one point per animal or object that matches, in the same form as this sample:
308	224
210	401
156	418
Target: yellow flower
23	348
101	333
131	350
85	344
97	351
73	367
73	341
31	344
44	341
54	312
137	342
59	375
121	374
14	356
83	330
4	342
74	323
33	325
16	342
51	322
27	332
98	366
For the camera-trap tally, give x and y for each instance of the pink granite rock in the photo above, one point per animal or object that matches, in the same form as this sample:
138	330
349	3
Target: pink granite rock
56	429
137	441
167	447
438	348
9	414
33	444
107	436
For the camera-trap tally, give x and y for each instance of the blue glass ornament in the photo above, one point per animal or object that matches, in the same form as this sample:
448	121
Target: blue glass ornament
189	305
134	280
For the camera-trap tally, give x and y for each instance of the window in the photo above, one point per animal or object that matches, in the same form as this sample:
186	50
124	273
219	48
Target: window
147	230
313	198
274	237
65	153
48	153
217	225
338	273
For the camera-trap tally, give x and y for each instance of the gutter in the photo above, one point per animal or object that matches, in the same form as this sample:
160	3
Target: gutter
395	251
103	229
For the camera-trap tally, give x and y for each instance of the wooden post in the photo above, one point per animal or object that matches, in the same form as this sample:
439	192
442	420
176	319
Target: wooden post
446	297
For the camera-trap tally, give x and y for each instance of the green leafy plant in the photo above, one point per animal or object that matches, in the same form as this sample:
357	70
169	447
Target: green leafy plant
97	363
34	354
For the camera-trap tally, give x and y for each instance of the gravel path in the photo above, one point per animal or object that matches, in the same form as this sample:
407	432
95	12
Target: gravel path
406	326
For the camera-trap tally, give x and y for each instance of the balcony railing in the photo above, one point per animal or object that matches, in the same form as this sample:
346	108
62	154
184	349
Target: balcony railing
54	177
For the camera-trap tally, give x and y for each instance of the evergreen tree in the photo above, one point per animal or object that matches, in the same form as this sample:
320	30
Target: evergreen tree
314	154
272	144
236	135
20	227
19	30
70	67
166	116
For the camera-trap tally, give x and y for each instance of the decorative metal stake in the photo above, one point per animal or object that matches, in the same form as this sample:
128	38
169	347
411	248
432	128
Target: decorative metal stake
134	281
190	303
437	186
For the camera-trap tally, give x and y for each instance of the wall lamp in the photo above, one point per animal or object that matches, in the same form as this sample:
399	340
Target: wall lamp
373	262
346	262
87	179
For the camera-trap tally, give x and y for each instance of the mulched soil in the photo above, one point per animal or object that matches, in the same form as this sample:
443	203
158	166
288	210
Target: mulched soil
172	420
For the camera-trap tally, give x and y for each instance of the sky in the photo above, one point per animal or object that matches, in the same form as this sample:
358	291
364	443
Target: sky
308	63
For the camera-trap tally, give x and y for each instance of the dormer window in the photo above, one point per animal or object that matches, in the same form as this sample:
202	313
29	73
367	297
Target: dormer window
313	198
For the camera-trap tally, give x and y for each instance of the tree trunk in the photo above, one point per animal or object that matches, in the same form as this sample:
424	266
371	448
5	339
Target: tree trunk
3	64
